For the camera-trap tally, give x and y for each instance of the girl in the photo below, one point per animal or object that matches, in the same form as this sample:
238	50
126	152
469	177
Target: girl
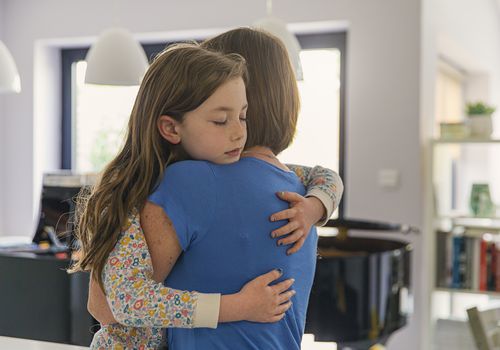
179	82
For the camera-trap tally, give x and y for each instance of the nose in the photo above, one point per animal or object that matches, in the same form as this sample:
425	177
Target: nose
238	131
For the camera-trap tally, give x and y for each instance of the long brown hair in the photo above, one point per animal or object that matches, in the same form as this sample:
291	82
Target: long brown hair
179	80
272	92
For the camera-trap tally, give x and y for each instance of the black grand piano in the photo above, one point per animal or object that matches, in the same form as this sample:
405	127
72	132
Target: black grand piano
361	291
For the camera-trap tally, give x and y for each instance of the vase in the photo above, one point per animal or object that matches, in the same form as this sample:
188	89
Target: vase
481	125
480	202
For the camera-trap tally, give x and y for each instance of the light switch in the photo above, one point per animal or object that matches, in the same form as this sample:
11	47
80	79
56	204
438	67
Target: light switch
388	178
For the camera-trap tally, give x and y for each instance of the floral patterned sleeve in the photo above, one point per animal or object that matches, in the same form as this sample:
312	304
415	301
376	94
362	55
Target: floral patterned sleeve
142	306
322	183
133	296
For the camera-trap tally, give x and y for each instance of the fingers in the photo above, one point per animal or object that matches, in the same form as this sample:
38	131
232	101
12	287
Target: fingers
283	308
276	318
296	246
294	237
286	296
280	312
284	230
279	288
289	196
284	214
271	276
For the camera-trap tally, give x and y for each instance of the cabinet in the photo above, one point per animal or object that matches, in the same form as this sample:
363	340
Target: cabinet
41	301
466	226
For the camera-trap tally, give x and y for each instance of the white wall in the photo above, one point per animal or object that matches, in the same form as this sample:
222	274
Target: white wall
2	169
383	107
469	34
427	93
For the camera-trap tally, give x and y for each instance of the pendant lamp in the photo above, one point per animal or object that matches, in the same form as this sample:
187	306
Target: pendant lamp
278	28
9	76
116	59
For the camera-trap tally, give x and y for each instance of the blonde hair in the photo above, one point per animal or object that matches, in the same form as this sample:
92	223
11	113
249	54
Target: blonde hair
179	80
272	92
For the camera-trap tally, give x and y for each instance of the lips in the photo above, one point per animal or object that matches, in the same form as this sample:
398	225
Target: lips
234	153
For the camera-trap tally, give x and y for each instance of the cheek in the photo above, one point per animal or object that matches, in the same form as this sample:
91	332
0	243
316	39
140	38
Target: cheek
204	142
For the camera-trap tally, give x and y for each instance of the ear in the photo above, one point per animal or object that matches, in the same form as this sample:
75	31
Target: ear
168	128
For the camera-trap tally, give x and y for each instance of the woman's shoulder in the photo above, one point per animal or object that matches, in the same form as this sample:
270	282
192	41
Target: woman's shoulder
185	166
192	173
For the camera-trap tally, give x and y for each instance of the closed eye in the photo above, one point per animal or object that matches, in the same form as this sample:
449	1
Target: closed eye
219	122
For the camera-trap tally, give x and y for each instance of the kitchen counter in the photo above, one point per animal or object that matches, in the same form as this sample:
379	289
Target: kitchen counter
8	343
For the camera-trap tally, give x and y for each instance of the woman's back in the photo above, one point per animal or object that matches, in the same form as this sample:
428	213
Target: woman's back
221	215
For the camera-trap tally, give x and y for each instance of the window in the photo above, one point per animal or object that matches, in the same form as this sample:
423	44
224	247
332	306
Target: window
320	130
95	117
100	119
449	94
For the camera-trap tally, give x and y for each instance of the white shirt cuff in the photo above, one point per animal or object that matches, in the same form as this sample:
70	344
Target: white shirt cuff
206	314
327	203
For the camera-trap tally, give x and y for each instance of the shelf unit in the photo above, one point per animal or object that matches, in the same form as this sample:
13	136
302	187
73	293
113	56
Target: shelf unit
455	165
467	140
468	291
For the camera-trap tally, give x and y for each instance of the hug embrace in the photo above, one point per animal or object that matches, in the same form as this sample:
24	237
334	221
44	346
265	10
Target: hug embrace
195	231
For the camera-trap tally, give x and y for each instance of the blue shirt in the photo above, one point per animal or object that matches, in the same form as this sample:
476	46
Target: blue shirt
221	217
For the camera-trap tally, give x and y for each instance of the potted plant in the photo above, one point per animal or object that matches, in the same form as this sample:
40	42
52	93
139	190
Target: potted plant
480	119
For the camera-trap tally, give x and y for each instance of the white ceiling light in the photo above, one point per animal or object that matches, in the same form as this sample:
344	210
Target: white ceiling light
278	28
9	76
116	59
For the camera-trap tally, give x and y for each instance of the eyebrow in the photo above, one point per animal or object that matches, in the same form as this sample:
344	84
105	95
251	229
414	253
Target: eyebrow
227	109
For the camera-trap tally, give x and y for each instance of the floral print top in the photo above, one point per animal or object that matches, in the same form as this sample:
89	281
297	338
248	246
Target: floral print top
322	183
142	306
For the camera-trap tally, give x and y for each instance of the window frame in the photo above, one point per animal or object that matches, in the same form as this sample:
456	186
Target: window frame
335	40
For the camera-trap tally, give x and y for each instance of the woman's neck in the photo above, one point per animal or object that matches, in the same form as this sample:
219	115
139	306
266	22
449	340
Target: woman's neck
265	154
260	150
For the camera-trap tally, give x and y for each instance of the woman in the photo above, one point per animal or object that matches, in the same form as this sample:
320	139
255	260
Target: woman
217	214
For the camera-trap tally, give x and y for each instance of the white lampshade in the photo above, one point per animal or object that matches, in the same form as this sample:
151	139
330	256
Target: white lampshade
278	28
9	77
116	59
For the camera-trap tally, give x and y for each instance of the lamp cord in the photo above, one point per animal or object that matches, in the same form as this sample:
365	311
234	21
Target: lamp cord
115	13
269	7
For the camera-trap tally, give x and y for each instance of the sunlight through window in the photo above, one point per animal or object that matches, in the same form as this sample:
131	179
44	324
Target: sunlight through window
101	114
100	120
317	138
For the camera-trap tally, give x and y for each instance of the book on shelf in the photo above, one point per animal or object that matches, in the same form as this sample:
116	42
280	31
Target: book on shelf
476	263
469	262
497	269
482	265
491	274
443	260
458	266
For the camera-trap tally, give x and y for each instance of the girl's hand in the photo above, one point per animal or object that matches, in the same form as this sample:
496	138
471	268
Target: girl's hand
257	301
303	213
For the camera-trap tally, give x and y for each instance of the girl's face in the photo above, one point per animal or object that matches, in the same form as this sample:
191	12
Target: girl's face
216	130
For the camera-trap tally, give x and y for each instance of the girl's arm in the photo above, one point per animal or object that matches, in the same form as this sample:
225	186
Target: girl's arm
324	191
136	299
323	184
